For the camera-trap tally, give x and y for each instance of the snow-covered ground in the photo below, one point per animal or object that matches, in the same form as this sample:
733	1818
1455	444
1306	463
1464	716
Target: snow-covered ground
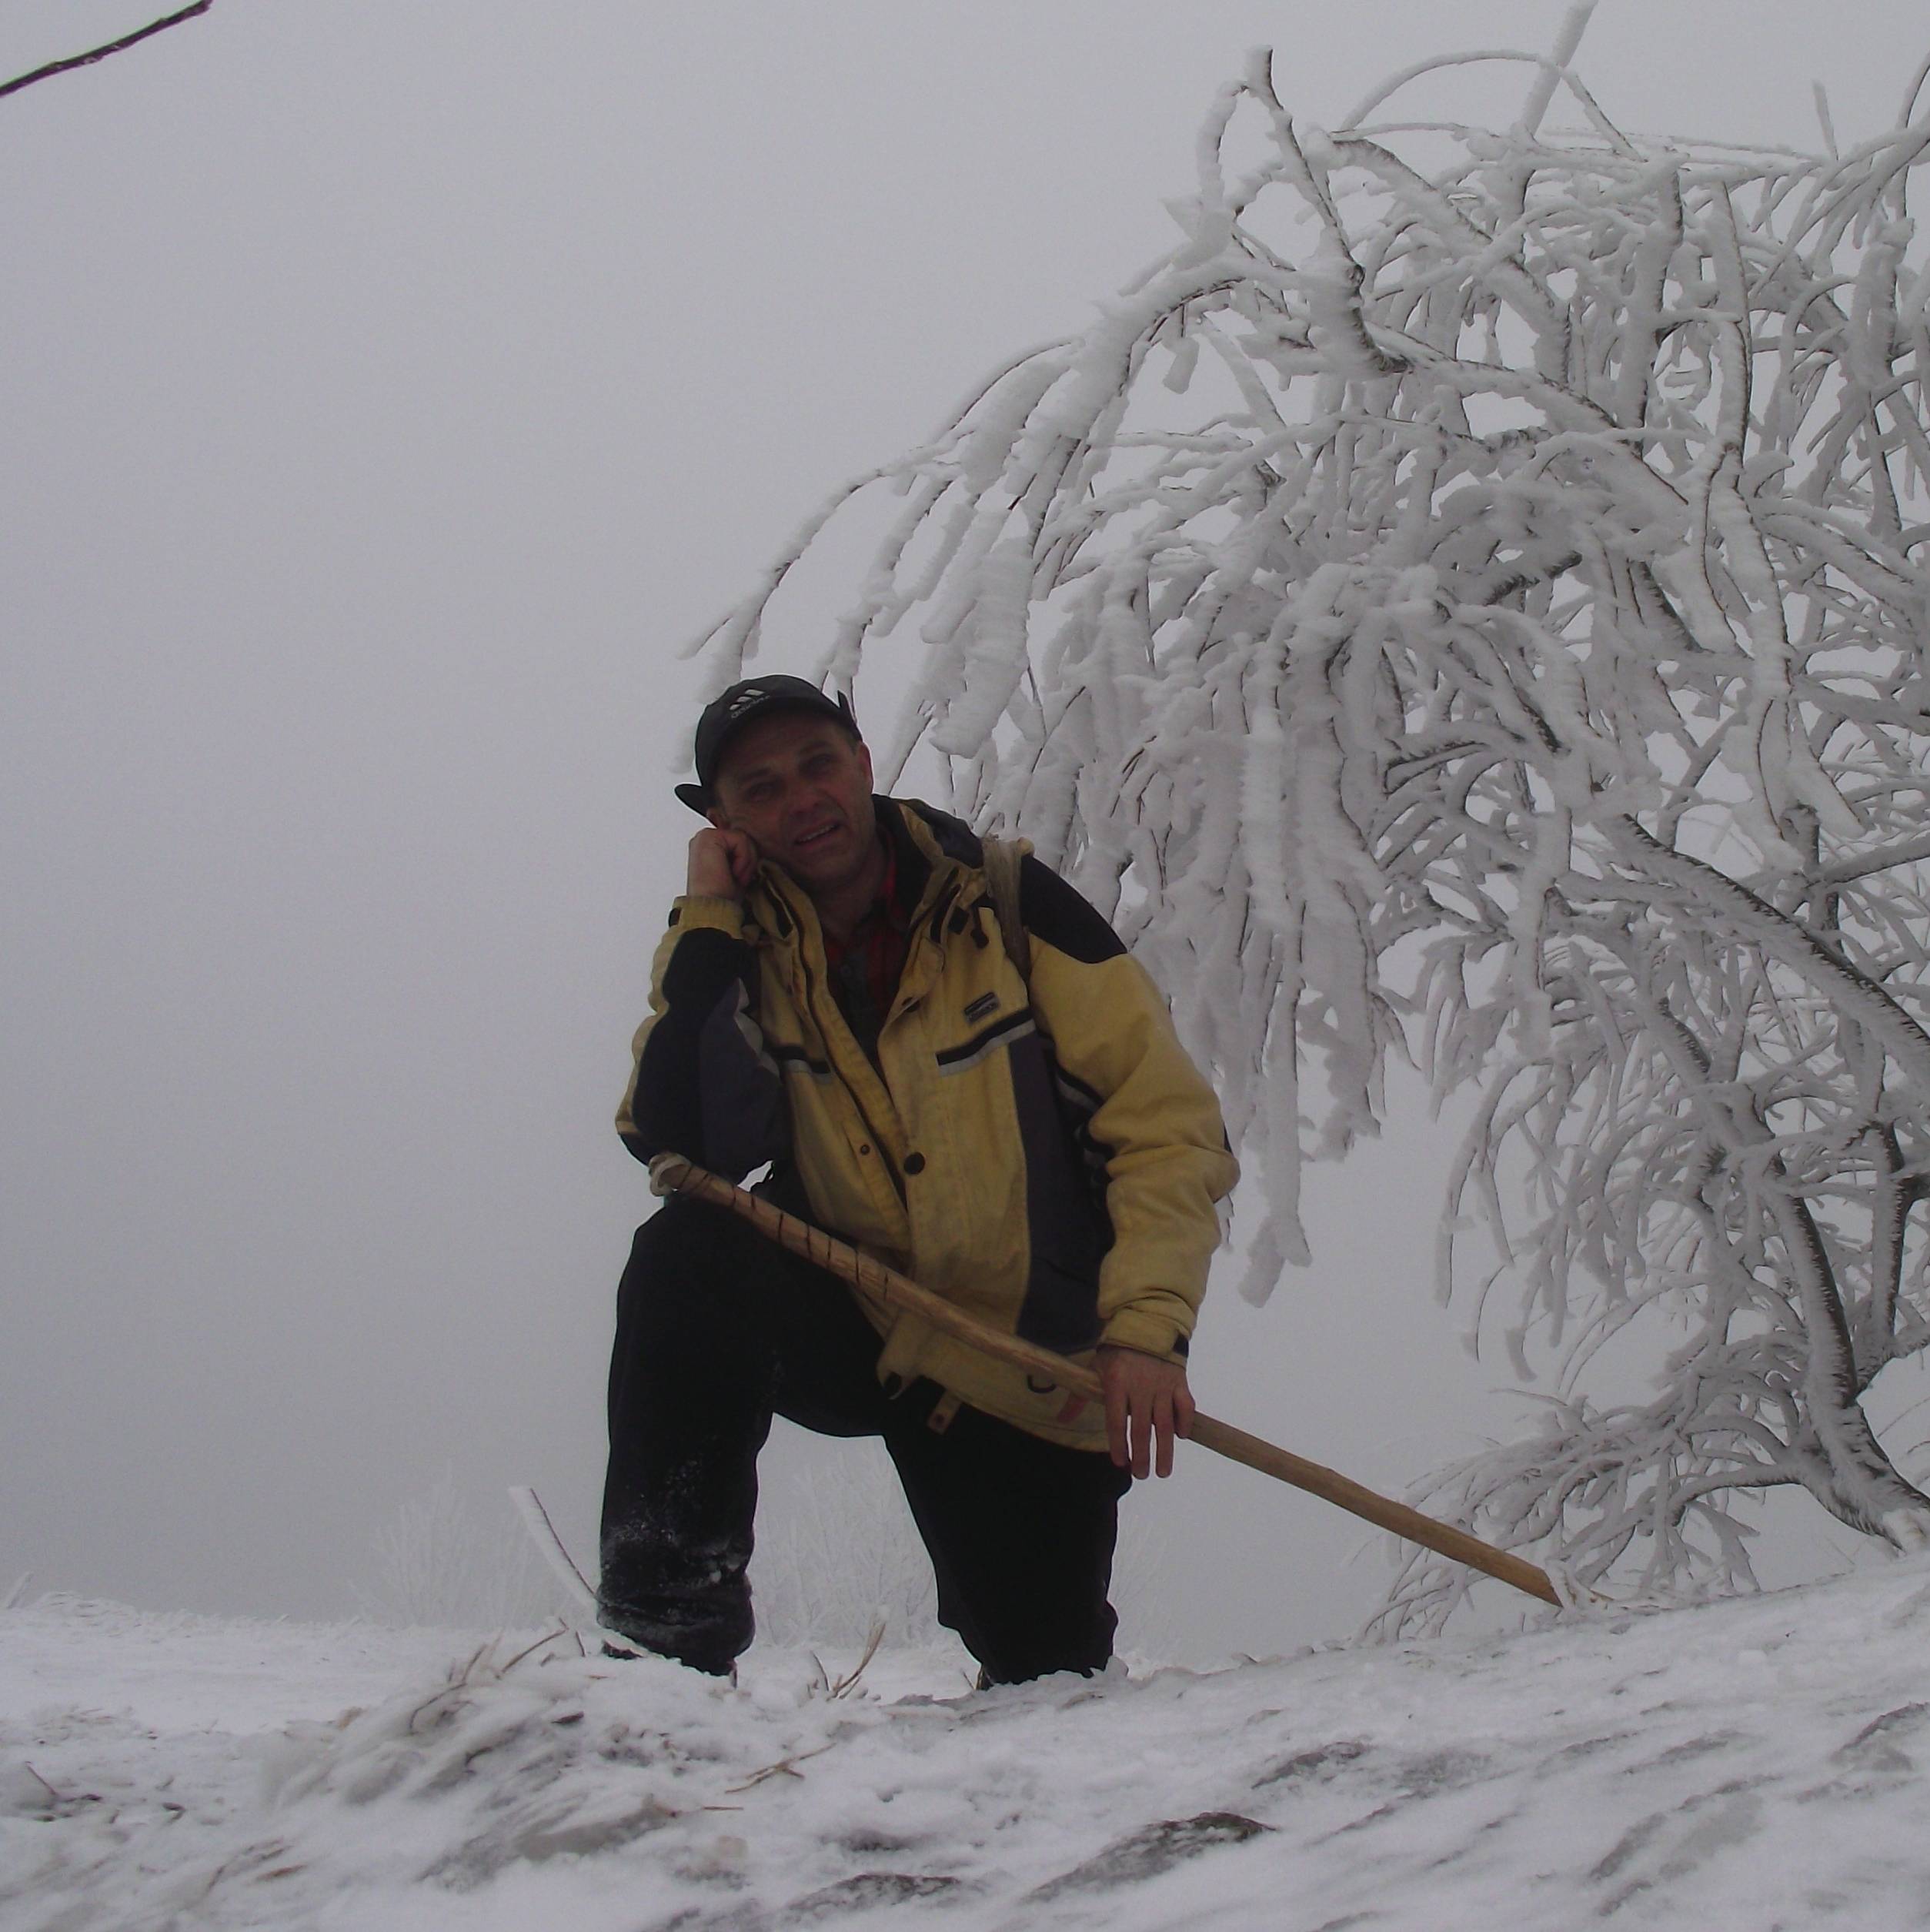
1753	1764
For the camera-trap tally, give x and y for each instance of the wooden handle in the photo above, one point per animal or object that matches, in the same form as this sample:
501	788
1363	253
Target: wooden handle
671	1174
1442	1538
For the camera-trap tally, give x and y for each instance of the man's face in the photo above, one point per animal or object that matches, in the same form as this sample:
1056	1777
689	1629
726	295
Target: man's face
800	787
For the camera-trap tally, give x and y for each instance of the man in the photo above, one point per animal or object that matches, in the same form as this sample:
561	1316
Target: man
835	997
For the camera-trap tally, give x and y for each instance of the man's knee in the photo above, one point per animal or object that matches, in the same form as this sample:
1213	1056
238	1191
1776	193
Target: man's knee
687	1259
681	1235
691	1328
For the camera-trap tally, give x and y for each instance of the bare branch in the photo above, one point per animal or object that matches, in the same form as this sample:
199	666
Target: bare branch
101	53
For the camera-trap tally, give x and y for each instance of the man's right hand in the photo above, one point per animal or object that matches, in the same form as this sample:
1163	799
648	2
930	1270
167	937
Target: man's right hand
723	864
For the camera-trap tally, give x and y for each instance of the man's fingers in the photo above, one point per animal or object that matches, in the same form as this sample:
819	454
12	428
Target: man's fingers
723	862
1148	1408
1165	1416
715	872
744	858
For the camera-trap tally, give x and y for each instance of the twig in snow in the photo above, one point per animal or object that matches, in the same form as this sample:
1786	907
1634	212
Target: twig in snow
850	1681
784	1767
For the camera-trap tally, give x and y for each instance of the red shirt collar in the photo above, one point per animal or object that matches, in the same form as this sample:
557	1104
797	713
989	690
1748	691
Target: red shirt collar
880	937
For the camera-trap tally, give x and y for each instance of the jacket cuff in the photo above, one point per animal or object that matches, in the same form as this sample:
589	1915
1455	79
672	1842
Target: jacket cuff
692	914
1147	1332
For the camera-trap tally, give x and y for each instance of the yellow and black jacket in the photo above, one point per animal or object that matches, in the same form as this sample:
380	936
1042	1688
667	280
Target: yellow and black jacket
1038	1149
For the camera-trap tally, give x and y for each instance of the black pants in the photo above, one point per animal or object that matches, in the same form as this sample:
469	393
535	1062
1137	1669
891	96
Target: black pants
717	1329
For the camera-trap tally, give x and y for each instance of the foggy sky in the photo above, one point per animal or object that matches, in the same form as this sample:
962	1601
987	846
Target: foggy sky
388	391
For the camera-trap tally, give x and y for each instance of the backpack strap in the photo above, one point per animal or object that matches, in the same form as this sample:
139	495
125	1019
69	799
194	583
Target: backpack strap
1003	858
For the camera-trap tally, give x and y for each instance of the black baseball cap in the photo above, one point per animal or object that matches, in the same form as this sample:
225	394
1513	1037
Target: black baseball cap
756	697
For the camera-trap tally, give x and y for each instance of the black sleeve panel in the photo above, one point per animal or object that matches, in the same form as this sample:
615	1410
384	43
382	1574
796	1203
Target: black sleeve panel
703	963
1062	917
705	1087
1153	1115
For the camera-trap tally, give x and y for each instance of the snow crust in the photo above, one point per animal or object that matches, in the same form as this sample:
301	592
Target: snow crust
1755	1762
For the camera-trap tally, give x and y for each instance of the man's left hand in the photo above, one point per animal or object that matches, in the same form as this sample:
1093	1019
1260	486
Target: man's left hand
1147	1405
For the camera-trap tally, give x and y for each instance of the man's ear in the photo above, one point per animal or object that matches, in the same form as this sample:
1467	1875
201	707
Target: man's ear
716	816
864	759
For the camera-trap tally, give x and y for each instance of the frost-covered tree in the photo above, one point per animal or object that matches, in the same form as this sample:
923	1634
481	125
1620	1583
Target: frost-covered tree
1467	602
440	1561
